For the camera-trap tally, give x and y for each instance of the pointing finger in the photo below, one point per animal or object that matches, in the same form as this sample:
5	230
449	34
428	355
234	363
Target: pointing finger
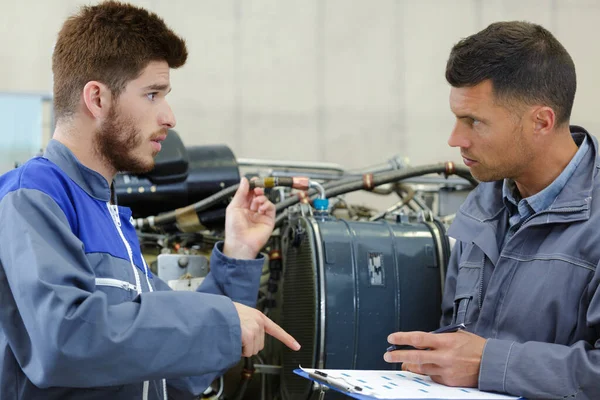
280	334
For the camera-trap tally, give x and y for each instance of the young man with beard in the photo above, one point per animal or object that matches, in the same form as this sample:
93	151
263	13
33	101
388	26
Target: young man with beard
523	276
82	316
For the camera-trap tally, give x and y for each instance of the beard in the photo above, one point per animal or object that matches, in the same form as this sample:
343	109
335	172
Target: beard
515	157
117	141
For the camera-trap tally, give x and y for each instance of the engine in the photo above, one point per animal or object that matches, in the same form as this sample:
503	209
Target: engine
339	277
181	176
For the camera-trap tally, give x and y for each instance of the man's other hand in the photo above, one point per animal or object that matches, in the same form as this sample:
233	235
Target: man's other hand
452	359
249	222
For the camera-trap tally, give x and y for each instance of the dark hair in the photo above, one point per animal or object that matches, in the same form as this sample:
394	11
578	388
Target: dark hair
112	43
524	62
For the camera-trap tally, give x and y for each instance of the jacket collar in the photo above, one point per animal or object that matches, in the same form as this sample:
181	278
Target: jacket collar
92	182
484	206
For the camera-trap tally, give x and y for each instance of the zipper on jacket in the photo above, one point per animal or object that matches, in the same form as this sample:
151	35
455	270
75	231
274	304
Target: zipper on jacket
114	212
481	285
146	388
115	283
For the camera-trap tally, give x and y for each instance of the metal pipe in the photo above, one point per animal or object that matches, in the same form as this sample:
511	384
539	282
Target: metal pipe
312	165
324	176
319	187
425	180
392	164
435	180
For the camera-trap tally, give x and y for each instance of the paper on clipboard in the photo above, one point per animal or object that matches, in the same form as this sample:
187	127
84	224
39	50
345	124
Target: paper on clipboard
402	385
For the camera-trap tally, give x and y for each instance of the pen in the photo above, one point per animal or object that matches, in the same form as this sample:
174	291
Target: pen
445	329
450	328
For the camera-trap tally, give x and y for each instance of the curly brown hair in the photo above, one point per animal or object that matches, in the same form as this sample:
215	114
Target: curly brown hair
112	43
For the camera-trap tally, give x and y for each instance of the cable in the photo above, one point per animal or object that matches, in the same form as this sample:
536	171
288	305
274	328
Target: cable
221	388
370	181
247	373
404	200
209	391
189	214
170	217
378	179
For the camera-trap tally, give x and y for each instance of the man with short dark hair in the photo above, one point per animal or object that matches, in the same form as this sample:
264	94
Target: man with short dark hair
81	315
523	274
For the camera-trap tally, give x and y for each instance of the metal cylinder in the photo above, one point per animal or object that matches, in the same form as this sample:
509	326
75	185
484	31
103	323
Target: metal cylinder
347	285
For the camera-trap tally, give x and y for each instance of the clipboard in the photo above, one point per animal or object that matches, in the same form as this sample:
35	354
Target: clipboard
304	374
392	385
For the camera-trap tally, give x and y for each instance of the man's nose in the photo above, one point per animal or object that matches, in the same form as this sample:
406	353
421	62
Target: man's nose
459	137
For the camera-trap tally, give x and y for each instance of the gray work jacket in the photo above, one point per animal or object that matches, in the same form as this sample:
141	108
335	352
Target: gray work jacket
82	317
535	299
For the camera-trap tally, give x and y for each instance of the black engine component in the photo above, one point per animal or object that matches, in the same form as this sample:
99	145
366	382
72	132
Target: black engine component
181	176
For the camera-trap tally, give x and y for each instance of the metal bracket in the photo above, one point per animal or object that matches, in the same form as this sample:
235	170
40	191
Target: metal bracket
267	369
173	266
299	234
305	210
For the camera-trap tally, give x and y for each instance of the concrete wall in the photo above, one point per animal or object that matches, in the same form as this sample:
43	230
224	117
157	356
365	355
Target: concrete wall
350	82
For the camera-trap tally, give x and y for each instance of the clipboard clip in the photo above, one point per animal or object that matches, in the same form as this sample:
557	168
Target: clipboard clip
335	382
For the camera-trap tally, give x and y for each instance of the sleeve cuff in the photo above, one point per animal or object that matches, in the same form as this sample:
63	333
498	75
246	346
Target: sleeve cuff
494	364
239	279
218	253
235	333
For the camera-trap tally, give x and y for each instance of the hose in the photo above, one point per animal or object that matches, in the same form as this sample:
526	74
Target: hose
188	216
404	200
247	373
369	181
298	182
171	217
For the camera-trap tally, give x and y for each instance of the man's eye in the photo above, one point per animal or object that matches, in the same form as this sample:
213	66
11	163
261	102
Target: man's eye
151	96
475	122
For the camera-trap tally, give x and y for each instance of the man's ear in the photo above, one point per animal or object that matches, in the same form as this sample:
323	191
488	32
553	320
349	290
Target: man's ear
544	120
97	99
